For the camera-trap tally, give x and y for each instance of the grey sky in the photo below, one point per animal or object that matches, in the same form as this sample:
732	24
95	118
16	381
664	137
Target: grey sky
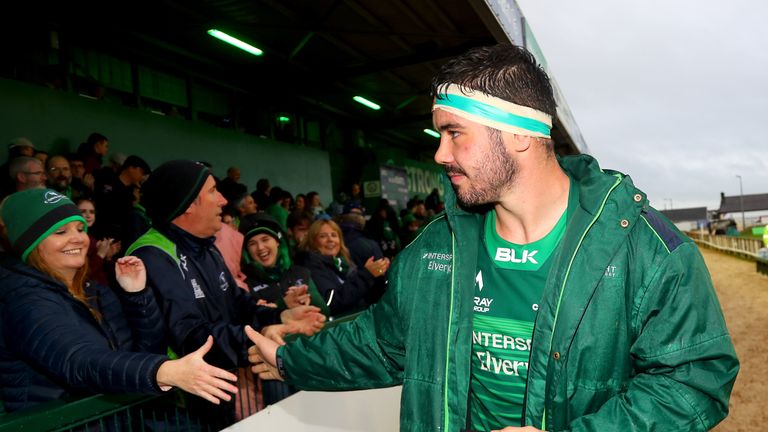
673	93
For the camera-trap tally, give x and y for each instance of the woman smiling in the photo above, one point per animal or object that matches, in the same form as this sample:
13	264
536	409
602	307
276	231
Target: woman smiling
342	285
63	336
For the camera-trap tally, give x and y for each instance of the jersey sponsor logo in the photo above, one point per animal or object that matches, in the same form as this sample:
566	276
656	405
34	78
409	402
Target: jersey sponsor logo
509	255
479	280
610	271
498	366
196	288
258	288
438	266
482	304
441	256
497	342
183	261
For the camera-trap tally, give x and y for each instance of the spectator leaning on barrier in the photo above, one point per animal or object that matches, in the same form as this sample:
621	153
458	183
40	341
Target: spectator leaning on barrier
628	331
271	275
344	286
65	337
274	280
196	292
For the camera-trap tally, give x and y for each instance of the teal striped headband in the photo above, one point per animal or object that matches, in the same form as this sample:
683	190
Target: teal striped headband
493	112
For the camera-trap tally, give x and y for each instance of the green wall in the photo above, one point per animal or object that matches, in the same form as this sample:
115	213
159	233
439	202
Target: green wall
57	122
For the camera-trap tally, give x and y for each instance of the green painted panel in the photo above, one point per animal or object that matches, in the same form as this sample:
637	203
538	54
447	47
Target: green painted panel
162	87
57	122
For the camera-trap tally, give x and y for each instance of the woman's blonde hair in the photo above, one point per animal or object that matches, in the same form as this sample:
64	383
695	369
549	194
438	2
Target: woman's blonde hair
77	289
309	243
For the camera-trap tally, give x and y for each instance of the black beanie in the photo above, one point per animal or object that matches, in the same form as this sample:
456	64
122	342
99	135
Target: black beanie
260	223
171	188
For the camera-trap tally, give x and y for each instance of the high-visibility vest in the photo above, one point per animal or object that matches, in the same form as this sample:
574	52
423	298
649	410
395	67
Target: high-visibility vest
765	236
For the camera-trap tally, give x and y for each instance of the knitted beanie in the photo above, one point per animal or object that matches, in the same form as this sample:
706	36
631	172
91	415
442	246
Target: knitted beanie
32	215
171	188
260	223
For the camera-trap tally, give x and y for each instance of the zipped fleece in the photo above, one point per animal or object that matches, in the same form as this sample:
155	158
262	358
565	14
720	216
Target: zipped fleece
629	334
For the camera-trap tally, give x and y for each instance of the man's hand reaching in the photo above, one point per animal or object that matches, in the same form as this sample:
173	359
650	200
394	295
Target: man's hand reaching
263	355
306	320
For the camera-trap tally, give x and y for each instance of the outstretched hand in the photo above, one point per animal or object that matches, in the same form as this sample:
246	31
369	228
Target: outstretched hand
263	355
306	320
378	267
296	296
193	375
131	274
276	332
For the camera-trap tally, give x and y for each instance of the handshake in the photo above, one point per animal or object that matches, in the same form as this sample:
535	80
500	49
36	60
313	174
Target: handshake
306	320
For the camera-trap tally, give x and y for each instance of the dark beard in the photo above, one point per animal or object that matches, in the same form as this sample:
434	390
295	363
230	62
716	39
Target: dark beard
495	174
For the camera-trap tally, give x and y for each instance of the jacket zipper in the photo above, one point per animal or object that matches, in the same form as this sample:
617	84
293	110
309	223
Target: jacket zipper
565	280
448	341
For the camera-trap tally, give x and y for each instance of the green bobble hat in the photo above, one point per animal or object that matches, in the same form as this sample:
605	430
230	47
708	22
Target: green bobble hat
171	189
32	215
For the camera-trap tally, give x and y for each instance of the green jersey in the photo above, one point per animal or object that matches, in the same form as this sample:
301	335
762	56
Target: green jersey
509	283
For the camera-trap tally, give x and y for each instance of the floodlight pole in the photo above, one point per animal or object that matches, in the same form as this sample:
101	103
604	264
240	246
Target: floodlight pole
741	198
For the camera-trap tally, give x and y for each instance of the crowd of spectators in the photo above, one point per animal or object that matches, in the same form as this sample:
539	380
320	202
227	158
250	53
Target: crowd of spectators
284	252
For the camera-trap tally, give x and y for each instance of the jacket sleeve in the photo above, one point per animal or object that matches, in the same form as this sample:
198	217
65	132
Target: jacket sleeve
145	320
368	352
186	328
53	338
685	362
340	295
316	298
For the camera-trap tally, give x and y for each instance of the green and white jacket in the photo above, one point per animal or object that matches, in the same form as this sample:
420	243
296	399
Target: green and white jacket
629	335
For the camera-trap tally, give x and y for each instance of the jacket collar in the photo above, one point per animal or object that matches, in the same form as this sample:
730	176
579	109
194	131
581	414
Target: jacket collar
584	169
186	241
12	267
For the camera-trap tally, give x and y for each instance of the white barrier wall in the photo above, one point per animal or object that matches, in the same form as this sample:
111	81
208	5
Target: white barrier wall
363	410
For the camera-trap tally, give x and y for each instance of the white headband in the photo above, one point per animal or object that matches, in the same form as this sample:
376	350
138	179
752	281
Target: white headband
493	112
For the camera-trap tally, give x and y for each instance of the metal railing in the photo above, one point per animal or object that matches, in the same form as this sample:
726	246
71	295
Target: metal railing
116	413
744	247
124	412
748	247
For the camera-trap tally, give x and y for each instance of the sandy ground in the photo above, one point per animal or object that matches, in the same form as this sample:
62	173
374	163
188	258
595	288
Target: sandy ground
743	295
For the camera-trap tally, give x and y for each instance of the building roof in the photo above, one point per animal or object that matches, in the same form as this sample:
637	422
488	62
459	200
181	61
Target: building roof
686	214
753	202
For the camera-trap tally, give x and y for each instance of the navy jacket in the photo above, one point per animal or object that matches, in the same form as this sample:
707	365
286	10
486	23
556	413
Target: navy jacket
360	246
344	291
198	296
52	346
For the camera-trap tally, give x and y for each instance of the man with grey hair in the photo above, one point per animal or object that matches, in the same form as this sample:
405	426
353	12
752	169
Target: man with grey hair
17	147
27	173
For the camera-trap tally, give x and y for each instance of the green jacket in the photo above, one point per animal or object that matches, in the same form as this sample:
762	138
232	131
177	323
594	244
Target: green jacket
629	334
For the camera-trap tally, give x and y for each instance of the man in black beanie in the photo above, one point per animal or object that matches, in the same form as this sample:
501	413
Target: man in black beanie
196	292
